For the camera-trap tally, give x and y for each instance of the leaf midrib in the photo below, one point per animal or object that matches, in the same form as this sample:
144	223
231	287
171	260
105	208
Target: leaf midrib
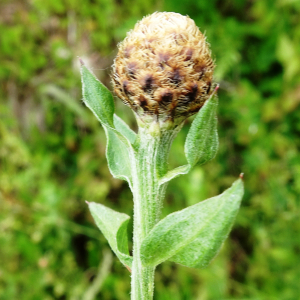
193	236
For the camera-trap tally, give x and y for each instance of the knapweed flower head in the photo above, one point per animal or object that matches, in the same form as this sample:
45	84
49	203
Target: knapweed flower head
164	69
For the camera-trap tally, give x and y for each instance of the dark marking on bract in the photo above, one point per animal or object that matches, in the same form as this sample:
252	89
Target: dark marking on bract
189	54
201	69
176	77
191	95
156	112
166	97
164	57
149	40
178	37
143	101
208	88
147	82
117	71
125	86
128	51
131	69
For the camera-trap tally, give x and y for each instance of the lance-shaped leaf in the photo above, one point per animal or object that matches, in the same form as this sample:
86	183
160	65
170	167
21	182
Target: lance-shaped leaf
113	225
97	97
100	101
193	236
202	142
117	155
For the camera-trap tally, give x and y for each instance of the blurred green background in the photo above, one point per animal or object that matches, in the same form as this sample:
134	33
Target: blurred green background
52	150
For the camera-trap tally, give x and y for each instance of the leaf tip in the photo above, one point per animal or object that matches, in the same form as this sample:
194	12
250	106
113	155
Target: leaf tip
81	61
128	268
216	88
88	203
242	176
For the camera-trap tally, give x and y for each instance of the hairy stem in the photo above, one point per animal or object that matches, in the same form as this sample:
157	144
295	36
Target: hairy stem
149	165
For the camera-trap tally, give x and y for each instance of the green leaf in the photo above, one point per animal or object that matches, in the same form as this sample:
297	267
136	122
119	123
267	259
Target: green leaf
117	154
113	225
124	129
193	236
202	143
175	173
97	97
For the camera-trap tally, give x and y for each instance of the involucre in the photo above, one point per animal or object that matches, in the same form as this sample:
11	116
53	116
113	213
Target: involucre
164	69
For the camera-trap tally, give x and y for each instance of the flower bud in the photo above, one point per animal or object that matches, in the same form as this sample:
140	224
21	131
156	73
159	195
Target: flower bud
164	69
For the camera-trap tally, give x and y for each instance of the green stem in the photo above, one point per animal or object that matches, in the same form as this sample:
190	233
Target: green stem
148	166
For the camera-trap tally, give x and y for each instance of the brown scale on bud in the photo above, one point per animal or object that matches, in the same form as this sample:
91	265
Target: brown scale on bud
164	69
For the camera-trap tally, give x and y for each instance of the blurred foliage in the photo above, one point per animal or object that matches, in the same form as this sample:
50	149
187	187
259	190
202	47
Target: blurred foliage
52	150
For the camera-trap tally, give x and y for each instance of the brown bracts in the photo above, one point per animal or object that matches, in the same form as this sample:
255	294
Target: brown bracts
164	69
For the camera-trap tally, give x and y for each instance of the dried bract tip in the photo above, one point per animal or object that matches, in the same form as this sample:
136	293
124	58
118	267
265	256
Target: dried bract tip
164	69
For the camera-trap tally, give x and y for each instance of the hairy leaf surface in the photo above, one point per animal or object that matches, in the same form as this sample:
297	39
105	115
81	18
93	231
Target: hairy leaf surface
119	136
113	225
193	236
202	143
124	129
97	97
